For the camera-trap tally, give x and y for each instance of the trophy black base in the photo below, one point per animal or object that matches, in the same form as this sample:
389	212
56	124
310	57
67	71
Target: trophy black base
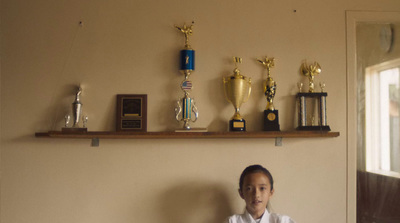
237	125
314	128
271	120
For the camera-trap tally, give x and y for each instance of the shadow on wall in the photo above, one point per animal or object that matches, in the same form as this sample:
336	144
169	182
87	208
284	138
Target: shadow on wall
217	98
195	202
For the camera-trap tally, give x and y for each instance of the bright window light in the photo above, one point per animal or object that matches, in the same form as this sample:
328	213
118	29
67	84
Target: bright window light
382	118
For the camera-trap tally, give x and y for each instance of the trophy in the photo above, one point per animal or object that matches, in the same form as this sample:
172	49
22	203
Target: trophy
76	115
237	90
186	105
271	119
312	105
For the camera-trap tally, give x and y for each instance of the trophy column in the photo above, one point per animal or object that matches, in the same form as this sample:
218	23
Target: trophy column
322	102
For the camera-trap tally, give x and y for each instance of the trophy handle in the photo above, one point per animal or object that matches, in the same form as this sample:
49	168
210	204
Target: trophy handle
195	111
178	110
303	69
248	95
226	96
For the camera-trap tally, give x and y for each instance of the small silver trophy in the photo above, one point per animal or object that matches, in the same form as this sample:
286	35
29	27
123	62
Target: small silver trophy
76	115
67	120
84	121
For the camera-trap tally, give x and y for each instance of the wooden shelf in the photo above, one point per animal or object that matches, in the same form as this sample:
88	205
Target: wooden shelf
185	135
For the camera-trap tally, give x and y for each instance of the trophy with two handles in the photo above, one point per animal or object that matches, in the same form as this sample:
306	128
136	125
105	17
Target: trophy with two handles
237	90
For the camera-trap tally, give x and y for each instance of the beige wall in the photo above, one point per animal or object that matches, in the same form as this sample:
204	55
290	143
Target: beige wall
132	47
369	50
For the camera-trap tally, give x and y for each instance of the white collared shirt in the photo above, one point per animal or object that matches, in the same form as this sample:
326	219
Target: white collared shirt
266	218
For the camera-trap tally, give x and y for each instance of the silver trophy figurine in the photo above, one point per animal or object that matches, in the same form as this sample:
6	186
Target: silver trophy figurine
77	108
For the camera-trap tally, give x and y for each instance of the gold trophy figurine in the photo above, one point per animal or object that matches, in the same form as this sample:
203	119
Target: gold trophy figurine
310	71
271	120
269	84
187	31
237	90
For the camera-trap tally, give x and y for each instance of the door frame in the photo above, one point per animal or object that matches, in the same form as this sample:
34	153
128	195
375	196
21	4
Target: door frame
352	18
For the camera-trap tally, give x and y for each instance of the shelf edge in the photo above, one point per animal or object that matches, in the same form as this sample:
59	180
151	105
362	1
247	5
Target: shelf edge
185	135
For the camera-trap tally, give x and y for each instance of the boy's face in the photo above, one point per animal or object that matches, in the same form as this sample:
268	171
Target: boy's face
256	191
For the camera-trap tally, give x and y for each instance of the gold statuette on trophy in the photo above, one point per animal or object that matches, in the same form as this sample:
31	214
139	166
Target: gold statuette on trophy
312	105
271	119
310	71
237	90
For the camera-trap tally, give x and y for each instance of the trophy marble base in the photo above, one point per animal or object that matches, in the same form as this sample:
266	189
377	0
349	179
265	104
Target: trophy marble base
237	125
192	130
271	120
70	130
314	128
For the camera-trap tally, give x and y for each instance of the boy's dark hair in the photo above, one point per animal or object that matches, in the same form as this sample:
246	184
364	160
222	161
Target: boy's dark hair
255	169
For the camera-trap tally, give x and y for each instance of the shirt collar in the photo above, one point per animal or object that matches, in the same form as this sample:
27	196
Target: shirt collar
264	218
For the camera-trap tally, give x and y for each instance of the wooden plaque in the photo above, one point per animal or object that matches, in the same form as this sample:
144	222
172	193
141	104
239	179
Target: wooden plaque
132	112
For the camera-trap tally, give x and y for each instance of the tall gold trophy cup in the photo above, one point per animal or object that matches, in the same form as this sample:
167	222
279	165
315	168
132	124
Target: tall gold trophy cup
237	90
